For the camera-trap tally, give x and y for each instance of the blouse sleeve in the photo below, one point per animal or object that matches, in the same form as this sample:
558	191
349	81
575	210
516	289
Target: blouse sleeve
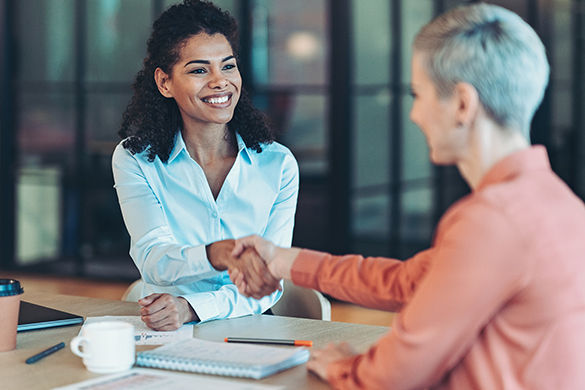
160	259
281	220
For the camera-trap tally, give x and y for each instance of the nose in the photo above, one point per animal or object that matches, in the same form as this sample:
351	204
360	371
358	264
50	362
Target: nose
412	114
218	81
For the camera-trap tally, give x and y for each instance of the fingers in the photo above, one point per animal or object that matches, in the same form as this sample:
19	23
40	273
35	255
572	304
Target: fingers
148	299
317	365
346	349
242	244
256	275
162	313
322	358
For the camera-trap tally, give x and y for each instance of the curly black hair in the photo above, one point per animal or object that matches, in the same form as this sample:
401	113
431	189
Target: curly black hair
152	120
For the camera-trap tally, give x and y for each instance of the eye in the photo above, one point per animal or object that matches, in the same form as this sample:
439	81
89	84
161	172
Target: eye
198	71
229	66
412	93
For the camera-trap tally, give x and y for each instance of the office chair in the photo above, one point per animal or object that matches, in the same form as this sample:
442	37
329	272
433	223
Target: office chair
295	301
133	292
302	302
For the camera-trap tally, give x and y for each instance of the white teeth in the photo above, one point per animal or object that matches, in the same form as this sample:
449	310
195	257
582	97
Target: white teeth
218	100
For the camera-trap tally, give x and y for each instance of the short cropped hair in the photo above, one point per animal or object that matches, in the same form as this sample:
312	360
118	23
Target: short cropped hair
496	52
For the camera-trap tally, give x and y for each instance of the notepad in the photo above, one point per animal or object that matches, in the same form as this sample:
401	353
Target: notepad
218	358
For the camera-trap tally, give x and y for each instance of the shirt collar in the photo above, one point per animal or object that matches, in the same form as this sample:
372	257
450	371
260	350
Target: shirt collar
180	146
243	150
533	158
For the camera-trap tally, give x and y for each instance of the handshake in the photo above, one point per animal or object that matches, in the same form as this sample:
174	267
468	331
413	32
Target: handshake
254	264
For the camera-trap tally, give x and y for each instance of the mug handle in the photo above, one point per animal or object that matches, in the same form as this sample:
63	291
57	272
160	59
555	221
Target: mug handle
76	343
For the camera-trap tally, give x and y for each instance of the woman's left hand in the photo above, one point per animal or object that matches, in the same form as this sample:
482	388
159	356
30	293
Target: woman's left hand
322	358
166	312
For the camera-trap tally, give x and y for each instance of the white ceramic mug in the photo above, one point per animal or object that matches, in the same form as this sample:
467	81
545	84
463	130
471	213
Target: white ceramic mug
108	346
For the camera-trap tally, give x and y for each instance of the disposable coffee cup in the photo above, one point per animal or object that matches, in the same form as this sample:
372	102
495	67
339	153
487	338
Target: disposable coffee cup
10	293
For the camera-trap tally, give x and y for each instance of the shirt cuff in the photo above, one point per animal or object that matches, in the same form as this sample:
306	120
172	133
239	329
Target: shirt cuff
306	268
204	304
200	265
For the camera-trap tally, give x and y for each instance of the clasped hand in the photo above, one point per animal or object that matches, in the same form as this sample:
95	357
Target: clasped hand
246	265
278	263
251	264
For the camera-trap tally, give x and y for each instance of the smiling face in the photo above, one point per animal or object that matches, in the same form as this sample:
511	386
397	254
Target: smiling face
437	117
205	81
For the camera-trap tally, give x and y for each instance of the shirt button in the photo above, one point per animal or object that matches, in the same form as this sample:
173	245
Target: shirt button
214	214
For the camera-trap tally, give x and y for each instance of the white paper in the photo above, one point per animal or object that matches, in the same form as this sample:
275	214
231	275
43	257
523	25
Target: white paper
204	350
146	379
143	334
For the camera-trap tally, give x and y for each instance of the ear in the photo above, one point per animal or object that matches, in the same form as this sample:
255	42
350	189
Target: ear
162	82
467	100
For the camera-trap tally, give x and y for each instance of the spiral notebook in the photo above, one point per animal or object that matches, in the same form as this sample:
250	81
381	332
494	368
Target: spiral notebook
217	358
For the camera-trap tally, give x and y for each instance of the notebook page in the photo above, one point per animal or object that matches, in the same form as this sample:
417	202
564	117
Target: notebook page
246	354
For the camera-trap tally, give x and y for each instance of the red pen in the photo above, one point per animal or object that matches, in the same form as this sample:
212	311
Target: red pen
305	343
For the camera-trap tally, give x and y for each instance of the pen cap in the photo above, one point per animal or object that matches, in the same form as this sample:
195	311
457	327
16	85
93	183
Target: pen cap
10	287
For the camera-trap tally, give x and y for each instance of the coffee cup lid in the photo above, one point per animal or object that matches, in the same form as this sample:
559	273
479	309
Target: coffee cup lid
10	287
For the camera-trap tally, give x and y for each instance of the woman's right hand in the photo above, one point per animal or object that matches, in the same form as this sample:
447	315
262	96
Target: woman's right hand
248	264
279	261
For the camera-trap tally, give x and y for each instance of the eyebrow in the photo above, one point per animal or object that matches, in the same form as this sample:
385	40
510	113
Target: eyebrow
208	62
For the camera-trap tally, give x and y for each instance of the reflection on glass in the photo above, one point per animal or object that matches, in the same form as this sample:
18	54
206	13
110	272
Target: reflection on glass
291	36
561	58
45	34
103	227
38	214
301	119
116	38
371	215
561	52
371	140
104	116
415	152
46	146
415	14
372	41
45	129
417	214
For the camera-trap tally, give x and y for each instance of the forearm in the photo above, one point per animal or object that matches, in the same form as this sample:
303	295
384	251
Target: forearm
380	283
163	262
228	303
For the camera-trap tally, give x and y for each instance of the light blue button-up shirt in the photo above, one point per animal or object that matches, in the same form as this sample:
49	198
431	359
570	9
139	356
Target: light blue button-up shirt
170	213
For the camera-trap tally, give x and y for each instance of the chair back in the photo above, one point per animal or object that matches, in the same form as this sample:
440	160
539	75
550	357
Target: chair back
134	292
302	302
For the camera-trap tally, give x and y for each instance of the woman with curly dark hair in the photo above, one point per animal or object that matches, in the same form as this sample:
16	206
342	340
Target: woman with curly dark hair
196	168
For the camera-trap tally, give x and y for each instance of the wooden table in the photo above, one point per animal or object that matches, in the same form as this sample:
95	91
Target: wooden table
64	367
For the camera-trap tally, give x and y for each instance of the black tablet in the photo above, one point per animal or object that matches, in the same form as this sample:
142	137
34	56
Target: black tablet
33	317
